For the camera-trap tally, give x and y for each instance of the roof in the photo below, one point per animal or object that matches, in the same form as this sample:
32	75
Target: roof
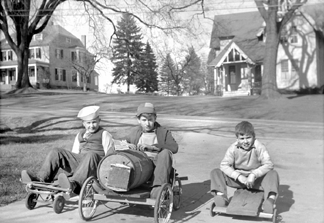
49	34
239	25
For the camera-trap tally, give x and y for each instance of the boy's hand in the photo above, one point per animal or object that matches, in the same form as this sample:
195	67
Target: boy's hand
242	179
132	146
150	148
250	180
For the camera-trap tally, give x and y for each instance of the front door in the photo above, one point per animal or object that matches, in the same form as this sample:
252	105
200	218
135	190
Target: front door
232	78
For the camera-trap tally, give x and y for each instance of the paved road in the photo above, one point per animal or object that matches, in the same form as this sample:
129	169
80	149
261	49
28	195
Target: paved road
296	149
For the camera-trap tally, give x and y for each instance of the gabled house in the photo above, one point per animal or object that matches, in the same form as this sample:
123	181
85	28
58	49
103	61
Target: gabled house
55	56
238	41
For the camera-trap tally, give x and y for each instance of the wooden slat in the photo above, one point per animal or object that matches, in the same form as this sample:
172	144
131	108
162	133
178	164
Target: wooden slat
245	202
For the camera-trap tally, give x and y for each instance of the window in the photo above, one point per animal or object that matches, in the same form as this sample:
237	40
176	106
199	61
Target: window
38	53
31	53
294	66
68	40
56	75
3	55
293	35
31	72
284	66
96	80
59	53
74	76
89	79
10	55
63	75
38	37
73	56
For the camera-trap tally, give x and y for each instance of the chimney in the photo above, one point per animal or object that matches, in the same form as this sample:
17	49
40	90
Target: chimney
84	40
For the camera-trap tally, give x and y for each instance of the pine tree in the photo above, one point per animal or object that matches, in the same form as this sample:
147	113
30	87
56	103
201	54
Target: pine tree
167	74
194	79
147	80
127	47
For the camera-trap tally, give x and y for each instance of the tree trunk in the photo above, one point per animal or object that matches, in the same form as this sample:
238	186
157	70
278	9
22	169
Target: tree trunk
23	77
269	81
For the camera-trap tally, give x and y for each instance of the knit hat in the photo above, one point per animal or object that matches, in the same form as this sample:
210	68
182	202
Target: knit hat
145	108
89	113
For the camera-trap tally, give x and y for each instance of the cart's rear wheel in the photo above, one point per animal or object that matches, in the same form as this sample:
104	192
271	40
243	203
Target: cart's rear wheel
87	204
58	204
177	191
163	204
31	200
212	206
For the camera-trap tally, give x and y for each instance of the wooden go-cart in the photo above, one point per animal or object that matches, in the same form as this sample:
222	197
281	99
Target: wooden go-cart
39	192
111	182
244	203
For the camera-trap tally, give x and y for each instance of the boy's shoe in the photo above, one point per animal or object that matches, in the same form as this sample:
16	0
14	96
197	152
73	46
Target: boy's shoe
27	177
155	192
268	206
220	201
65	183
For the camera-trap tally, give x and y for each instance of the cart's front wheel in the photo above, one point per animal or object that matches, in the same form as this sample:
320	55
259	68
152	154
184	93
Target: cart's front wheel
31	200
274	217
177	191
212	206
163	204
58	204
87	204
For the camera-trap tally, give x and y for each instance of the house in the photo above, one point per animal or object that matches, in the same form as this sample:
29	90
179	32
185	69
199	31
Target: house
56	60
238	42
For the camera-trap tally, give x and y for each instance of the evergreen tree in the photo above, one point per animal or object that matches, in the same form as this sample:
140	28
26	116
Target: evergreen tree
193	79
167	73
127	47
147	80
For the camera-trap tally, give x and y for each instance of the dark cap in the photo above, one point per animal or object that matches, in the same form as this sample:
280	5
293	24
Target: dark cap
145	108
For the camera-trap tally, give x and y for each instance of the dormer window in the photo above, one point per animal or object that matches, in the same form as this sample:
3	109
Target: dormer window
38	37
293	35
68	40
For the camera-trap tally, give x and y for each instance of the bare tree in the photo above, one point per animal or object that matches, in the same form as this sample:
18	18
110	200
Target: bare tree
274	24
30	17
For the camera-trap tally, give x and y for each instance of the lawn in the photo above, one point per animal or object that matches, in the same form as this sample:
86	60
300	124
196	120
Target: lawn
44	120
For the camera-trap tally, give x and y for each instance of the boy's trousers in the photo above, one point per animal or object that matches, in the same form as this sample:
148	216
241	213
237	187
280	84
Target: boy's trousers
81	166
267	183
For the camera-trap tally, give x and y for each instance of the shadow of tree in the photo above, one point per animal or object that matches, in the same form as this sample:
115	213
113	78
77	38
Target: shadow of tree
4	140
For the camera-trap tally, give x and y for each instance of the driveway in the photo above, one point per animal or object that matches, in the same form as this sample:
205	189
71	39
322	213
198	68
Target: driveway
296	149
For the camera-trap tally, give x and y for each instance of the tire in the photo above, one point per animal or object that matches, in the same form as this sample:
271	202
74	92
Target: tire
31	201
212	206
177	191
87	204
58	204
163	204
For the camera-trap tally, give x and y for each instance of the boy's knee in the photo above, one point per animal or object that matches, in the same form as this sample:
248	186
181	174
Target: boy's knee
165	155
215	172
91	156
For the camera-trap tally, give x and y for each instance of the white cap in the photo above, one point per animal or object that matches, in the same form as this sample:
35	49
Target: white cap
89	113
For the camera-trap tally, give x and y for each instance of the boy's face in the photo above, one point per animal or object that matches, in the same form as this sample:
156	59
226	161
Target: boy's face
91	125
245	141
147	122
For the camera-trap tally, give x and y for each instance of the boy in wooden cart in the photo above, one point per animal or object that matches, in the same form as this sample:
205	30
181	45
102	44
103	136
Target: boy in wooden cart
90	145
246	164
156	141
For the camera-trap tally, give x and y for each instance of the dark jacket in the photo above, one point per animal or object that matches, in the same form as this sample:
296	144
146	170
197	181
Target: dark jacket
164	138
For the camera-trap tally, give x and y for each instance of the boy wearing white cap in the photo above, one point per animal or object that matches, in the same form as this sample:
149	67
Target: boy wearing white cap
156	141
90	145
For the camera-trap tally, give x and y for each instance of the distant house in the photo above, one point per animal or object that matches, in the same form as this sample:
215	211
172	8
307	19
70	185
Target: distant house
238	41
55	56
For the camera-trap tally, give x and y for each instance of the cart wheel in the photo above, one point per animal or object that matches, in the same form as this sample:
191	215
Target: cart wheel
177	191
31	201
163	204
212	206
274	217
58	204
87	204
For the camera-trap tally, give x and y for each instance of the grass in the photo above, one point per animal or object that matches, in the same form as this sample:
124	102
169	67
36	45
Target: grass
35	133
